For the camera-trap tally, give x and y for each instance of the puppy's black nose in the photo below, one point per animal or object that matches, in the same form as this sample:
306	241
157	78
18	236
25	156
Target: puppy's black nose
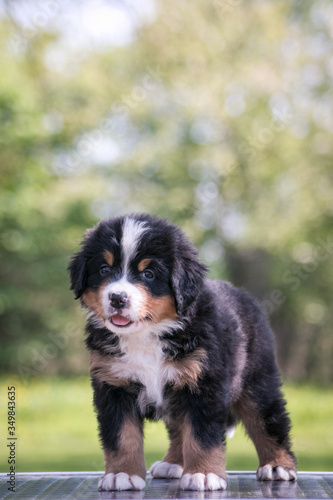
118	300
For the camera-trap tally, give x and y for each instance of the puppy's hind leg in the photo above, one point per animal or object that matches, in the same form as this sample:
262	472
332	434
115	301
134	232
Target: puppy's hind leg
267	423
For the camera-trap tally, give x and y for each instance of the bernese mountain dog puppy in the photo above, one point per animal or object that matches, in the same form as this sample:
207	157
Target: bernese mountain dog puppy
168	343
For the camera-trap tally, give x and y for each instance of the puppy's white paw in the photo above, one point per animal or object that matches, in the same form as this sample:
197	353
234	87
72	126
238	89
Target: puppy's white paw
265	473
166	470
202	482
279	473
120	482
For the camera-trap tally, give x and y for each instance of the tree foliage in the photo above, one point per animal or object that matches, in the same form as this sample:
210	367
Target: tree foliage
218	115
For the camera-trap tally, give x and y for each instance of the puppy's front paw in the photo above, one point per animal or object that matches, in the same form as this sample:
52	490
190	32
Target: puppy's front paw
166	470
202	482
120	482
279	473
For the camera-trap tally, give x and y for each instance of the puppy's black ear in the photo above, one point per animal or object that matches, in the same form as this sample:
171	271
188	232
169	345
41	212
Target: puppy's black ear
78	274
188	276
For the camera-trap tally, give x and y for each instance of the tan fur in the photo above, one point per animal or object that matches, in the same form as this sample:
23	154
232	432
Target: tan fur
144	264
268	450
129	458
101	368
163	307
109	257
157	308
199	459
106	368
190	368
93	299
175	452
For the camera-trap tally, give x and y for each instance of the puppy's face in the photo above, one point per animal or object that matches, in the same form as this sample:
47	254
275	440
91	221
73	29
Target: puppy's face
124	271
136	272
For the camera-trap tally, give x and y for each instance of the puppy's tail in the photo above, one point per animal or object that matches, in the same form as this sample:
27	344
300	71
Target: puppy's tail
231	426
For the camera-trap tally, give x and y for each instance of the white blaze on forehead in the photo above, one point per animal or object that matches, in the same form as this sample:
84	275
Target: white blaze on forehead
132	231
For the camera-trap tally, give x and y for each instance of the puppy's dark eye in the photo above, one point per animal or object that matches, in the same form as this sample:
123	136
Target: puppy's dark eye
104	270
149	274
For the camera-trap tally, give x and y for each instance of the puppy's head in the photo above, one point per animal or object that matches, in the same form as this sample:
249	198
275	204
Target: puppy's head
136	271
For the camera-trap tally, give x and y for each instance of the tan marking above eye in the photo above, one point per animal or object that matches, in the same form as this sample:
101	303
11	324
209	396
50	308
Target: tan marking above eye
144	264
109	257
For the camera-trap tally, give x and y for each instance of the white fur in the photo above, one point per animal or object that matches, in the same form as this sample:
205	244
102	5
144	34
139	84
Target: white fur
138	482
132	231
106	482
292	475
193	482
267	473
281	474
143	361
214	482
165	470
135	302
120	482
231	431
202	482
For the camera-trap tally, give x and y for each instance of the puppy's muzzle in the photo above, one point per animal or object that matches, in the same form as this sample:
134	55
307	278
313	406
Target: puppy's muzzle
119	300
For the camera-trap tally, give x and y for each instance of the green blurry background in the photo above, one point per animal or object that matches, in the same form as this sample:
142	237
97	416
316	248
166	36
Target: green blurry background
217	115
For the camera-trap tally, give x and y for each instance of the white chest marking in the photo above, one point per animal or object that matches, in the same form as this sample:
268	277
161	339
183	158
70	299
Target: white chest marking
144	361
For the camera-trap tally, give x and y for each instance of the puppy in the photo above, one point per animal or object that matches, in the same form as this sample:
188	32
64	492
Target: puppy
168	343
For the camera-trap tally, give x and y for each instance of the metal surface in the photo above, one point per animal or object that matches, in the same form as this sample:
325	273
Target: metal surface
83	486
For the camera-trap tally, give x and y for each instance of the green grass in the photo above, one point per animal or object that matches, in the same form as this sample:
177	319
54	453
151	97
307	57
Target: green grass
57	430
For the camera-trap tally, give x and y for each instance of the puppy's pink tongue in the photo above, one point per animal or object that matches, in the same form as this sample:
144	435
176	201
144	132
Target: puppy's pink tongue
120	320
